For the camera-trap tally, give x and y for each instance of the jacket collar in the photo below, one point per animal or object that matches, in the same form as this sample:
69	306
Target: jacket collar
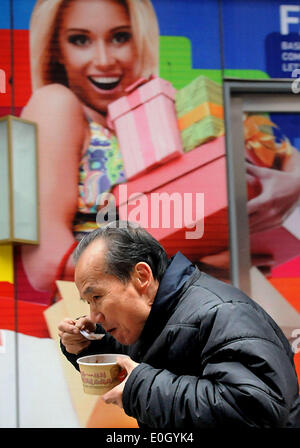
173	284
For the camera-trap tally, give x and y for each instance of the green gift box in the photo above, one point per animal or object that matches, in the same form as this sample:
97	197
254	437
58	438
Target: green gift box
200	113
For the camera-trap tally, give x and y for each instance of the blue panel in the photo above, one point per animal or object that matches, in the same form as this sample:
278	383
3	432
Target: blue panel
197	20
289	125
253	35
5	15
22	12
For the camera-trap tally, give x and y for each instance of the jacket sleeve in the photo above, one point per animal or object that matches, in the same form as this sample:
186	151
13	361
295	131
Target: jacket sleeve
243	378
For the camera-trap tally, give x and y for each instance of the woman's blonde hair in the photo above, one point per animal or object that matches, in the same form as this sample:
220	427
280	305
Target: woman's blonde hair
44	50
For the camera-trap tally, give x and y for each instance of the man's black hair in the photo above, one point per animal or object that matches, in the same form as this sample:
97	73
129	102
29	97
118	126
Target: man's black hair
127	244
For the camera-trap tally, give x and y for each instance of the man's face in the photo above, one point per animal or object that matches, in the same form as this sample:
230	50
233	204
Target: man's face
122	309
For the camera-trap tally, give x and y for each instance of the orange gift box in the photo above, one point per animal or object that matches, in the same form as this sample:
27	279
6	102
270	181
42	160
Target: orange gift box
183	203
200	112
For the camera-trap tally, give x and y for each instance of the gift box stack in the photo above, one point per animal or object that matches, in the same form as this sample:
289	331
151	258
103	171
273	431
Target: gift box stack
146	126
200	112
174	158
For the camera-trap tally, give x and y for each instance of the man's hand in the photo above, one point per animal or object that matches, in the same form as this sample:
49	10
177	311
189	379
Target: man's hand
115	395
69	333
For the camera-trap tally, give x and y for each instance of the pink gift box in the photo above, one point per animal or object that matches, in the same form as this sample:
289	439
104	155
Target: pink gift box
146	126
182	183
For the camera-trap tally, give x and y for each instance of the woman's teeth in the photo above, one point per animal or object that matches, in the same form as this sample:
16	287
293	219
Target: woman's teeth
105	83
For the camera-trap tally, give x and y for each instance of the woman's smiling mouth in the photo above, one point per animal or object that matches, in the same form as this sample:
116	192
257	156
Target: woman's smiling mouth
105	82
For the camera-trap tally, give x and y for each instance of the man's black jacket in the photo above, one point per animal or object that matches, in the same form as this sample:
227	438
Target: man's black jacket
209	357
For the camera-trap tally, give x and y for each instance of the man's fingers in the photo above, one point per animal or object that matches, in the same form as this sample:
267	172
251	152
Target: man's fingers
114	396
84	323
67	337
70	336
66	322
122	361
68	326
73	326
126	363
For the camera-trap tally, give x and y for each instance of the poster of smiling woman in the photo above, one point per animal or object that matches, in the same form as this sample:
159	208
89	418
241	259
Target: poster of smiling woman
79	69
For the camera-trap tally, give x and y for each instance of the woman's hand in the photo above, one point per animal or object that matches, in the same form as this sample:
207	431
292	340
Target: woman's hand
276	195
115	395
280	193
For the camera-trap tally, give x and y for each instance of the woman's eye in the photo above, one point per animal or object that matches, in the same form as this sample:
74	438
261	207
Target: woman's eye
78	39
121	37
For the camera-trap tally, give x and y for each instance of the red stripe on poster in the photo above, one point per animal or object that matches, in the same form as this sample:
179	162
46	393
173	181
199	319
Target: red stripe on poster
26	317
22	79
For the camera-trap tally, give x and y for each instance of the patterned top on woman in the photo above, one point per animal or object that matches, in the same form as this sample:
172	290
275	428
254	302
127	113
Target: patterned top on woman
101	167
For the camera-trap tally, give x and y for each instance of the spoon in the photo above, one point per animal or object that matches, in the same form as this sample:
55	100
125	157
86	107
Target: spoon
91	336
